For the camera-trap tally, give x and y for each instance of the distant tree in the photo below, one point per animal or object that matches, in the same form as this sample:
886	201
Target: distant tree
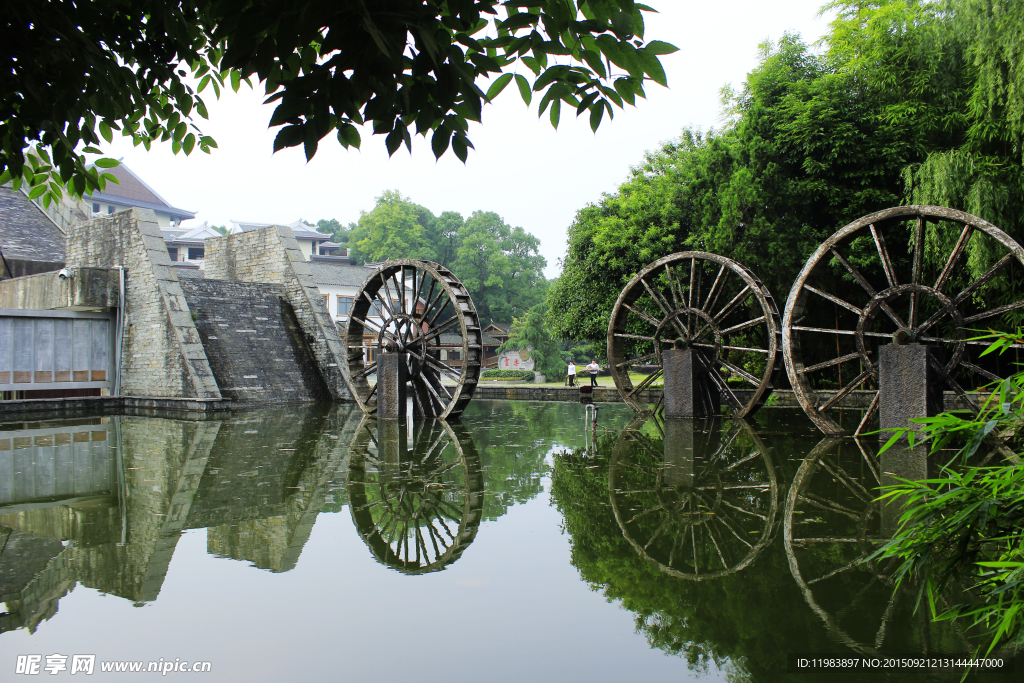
394	228
338	232
531	332
220	228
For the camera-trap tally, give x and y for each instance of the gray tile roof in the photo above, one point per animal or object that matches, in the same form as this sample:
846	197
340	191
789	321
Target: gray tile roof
190	273
29	241
338	274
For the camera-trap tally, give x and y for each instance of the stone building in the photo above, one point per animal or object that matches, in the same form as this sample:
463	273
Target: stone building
134	193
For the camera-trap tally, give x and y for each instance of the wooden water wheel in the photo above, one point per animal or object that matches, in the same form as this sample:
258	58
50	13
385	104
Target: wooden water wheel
420	309
920	274
715	306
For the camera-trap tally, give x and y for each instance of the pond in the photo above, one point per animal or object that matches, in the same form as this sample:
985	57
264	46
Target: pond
517	544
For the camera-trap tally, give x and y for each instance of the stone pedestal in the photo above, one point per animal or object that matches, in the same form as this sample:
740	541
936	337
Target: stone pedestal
392	377
679	452
899	462
909	385
392	442
689	392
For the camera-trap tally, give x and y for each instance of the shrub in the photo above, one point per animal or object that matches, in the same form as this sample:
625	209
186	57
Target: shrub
525	375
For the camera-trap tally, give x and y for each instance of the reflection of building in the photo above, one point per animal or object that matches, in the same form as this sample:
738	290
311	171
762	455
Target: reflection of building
71	513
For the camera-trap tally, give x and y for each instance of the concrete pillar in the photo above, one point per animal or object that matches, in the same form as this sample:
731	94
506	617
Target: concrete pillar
689	392
392	376
679	452
909	385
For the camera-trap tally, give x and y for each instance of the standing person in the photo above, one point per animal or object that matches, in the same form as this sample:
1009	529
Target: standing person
594	368
572	373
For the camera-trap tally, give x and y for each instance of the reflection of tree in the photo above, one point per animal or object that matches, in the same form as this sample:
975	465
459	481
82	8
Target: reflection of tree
753	618
512	438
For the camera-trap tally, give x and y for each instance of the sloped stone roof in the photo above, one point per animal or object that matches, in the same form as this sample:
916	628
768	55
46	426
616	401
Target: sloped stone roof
29	241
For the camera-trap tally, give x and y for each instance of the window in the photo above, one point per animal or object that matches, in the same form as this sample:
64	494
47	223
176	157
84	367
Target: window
327	302
345	305
95	207
173	253
110	209
454	355
376	309
195	253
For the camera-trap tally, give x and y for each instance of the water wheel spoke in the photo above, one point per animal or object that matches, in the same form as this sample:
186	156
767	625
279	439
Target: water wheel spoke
735	369
642	514
441	521
829	363
829	505
721	520
849	482
432	534
439	309
714	292
637	361
714	541
872	409
868	459
440	329
693	537
373	390
745	511
880	636
694	284
915	276
675	544
657	531
947	270
663	304
429	385
736	348
834	572
826	330
883	254
639	336
981	371
743	460
834	299
995	311
743	326
646	382
717	378
743	295
988	275
429	300
675	288
954	385
862	281
372	367
387	299
644	315
842	393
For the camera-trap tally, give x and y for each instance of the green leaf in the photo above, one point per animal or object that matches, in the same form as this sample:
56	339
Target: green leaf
659	47
348	135
439	141
92	150
652	67
596	114
106	162
5	177
37	191
496	87
525	91
188	143
556	112
236	79
203	82
106	132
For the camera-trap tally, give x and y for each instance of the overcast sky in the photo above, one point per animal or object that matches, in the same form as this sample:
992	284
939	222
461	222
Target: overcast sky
523	169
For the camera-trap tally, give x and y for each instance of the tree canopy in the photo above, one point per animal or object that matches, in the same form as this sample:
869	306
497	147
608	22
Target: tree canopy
75	72
910	102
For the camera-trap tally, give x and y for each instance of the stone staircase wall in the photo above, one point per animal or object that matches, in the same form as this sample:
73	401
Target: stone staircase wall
255	347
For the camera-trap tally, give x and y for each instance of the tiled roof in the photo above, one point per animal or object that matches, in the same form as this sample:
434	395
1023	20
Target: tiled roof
29	241
190	273
338	274
134	192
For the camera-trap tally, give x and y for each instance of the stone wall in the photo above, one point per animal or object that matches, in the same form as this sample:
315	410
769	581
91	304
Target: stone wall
87	289
272	255
163	355
253	342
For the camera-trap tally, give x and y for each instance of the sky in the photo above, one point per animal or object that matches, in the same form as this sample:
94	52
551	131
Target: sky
523	169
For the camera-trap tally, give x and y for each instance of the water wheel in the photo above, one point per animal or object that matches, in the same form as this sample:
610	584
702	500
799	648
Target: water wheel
421	309
715	306
697	505
920	274
417	507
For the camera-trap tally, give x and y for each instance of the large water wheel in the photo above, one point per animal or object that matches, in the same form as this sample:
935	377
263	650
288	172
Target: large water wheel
420	309
709	303
919	274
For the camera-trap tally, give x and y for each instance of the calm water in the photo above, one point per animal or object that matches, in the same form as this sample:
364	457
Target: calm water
310	544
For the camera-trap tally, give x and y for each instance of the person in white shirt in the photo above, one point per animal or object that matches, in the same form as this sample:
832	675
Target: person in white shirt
572	373
594	368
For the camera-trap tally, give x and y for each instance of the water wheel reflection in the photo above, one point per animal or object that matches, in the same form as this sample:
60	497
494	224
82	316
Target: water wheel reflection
833	524
416	506
694	502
